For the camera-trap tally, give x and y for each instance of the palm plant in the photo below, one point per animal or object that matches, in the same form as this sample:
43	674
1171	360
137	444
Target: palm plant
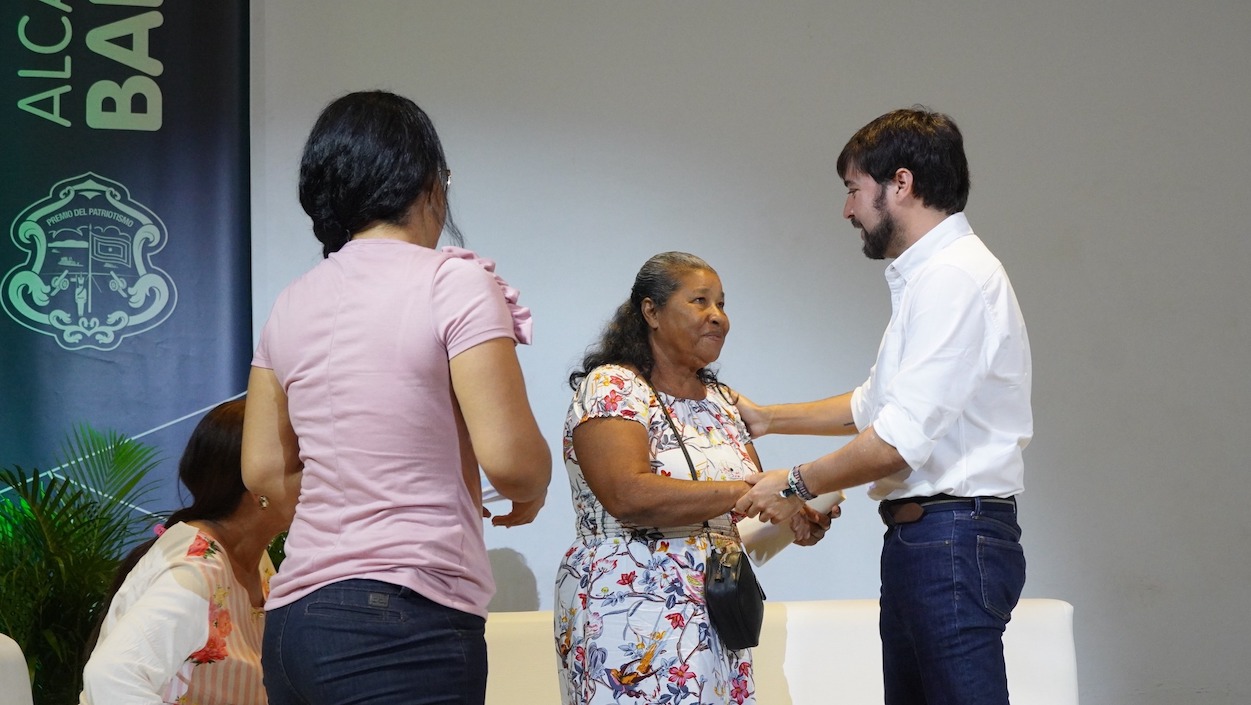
62	533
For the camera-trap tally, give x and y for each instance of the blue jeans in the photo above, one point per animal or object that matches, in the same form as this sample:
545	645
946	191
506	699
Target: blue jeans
364	641
949	583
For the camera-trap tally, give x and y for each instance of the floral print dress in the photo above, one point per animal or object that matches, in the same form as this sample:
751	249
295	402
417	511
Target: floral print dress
630	621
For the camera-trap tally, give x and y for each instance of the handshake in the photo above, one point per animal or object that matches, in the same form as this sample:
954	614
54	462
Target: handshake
764	536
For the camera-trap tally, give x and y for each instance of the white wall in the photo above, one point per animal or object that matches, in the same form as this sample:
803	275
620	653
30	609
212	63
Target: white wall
1108	144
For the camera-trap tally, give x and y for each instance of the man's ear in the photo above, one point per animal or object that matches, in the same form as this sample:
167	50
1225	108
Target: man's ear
901	184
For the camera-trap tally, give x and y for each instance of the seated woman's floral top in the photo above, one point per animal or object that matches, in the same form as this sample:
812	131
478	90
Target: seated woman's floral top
181	629
630	620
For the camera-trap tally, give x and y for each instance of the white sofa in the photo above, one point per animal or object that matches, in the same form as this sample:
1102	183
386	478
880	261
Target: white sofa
810	652
14	678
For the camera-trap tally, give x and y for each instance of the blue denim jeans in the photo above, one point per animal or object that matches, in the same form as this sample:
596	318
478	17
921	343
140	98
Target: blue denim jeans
949	584
364	641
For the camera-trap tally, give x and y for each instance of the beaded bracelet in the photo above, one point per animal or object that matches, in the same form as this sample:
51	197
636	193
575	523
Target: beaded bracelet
796	483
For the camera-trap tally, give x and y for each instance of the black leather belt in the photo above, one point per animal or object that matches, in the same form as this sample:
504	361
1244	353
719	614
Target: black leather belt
910	509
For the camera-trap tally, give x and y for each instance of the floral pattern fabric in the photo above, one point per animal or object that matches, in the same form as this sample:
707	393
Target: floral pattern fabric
181	630
226	668
630	621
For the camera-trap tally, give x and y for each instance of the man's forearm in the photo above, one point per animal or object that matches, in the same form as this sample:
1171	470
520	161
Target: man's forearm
867	458
826	417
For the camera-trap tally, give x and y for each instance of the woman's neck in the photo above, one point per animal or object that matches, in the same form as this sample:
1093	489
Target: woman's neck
243	544
678	382
239	540
387	231
422	225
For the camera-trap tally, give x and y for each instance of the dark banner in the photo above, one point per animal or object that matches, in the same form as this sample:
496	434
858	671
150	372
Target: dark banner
125	298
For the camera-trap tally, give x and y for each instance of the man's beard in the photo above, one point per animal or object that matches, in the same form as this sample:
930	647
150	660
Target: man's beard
879	240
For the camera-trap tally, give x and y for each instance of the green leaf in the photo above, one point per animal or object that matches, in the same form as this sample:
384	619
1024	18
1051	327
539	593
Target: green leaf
63	533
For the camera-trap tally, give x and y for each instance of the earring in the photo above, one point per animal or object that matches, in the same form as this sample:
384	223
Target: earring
263	501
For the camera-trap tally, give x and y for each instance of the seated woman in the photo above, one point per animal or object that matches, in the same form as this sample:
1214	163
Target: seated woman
630	620
184	617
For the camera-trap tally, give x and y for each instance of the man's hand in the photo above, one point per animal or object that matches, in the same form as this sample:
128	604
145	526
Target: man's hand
755	416
522	513
764	499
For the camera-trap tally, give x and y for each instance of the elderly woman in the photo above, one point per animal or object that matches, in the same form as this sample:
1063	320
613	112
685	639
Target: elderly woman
630	620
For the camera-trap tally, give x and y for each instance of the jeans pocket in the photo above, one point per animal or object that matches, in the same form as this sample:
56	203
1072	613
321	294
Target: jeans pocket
991	523
352	613
932	532
1001	565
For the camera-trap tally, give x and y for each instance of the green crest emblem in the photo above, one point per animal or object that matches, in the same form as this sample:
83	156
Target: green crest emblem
88	279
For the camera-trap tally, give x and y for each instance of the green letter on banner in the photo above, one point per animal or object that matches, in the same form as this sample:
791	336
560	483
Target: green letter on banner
28	104
124	116
100	40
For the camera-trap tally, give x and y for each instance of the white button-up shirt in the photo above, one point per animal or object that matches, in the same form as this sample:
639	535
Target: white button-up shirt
950	389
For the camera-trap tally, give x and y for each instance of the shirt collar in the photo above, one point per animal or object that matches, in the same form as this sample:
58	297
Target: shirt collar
952	228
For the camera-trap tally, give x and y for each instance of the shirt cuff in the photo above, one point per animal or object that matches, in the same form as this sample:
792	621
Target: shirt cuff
859	414
894	426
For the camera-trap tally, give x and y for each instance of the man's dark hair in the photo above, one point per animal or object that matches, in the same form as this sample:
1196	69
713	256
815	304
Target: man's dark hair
924	142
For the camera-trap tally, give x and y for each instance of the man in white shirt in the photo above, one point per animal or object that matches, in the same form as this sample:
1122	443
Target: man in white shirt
940	423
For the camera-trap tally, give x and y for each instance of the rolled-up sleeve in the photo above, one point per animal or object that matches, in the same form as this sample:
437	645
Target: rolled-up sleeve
942	363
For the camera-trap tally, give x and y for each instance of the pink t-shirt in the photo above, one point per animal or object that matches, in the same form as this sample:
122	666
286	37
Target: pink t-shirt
390	490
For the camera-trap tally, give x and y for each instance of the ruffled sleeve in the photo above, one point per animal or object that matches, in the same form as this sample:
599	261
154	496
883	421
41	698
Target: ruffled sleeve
523	326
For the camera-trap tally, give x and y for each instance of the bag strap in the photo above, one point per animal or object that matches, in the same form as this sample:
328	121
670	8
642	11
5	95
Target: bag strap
674	427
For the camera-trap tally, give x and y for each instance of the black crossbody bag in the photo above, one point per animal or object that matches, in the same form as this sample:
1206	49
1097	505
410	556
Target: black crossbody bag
732	595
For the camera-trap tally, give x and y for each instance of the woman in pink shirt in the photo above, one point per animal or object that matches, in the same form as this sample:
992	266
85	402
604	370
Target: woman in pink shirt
384	377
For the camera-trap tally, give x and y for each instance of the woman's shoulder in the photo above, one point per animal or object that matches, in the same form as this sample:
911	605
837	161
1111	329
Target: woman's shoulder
611	390
616	370
461	267
722	391
610	378
723	397
182	556
186	545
